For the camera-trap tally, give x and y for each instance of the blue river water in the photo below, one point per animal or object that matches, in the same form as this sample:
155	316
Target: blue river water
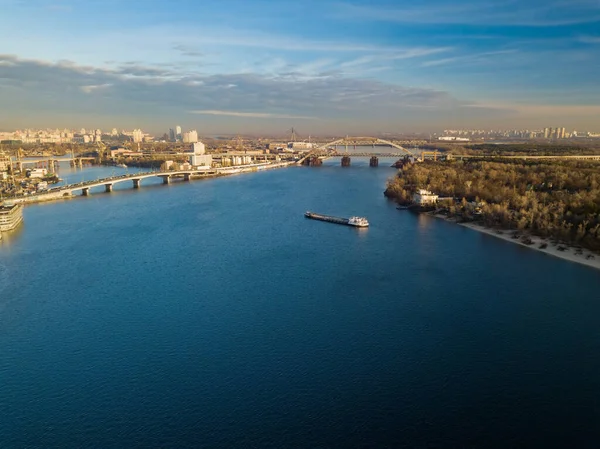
213	314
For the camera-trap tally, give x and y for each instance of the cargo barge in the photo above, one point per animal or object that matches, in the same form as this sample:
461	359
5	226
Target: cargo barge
357	222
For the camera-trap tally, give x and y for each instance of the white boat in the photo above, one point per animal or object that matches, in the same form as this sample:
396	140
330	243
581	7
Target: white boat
11	215
359	222
122	165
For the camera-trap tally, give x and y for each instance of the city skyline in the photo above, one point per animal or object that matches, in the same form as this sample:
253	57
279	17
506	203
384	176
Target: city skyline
328	67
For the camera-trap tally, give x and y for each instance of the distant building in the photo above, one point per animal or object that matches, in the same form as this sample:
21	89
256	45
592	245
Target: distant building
178	132
137	135
37	172
190	136
116	152
4	161
454	139
424	197
198	156
276	146
198	148
171	134
300	145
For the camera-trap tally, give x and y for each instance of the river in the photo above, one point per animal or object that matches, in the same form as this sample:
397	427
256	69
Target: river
213	314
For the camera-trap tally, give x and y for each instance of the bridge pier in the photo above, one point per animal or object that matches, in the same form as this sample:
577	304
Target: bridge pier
166	179
374	161
85	191
136	183
345	161
108	188
187	176
313	161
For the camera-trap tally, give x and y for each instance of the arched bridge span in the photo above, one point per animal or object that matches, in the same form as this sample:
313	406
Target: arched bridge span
323	150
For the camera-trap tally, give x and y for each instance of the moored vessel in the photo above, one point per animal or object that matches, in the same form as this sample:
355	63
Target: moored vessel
11	215
357	222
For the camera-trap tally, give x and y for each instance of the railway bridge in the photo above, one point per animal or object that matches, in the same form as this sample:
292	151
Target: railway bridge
316	156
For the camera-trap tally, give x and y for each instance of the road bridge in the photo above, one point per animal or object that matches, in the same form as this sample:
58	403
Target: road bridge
135	178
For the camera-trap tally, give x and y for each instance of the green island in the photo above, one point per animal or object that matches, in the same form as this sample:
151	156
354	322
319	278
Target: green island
552	199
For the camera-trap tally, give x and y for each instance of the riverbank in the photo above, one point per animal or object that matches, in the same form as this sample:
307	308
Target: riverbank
547	246
66	192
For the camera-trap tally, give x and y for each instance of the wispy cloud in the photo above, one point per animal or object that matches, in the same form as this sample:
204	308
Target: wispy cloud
545	111
467	59
187	51
251	38
94	87
589	39
266	115
533	13
69	88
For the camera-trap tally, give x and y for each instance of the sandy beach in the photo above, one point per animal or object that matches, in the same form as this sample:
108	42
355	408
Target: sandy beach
552	249
577	255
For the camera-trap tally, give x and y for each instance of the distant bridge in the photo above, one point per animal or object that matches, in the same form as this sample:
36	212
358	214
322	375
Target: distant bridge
593	157
136	178
108	183
324	150
363	154
50	163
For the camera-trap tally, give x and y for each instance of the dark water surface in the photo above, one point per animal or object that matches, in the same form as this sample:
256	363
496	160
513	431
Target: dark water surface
213	314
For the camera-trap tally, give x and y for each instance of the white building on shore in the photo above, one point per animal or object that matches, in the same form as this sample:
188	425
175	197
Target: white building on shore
424	197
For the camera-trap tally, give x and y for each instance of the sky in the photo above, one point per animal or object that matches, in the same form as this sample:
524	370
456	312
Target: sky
320	66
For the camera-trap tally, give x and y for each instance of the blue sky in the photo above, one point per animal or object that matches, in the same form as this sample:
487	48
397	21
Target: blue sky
322	66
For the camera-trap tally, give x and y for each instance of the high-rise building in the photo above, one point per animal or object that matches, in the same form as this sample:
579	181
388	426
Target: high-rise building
171	134
199	148
190	136
114	132
547	132
198	157
178	132
138	135
4	161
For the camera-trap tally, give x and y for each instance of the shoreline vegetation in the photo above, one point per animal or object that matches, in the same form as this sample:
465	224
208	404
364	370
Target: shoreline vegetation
551	206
